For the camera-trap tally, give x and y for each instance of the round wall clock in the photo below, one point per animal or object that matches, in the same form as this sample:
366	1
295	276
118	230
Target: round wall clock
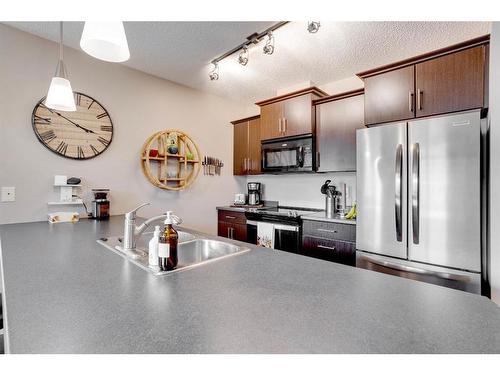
83	134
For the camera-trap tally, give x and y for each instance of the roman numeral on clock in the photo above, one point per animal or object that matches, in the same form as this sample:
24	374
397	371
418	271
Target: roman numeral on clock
106	128
78	98
94	150
62	148
42	120
48	136
104	141
81	154
102	115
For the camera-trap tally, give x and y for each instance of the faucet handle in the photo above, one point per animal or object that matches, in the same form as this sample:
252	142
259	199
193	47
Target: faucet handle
132	214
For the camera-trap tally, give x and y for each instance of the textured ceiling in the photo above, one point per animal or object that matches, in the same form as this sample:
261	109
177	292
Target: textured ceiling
181	51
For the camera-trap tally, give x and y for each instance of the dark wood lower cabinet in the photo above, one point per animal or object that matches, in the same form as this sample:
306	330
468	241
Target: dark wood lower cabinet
232	230
232	225
331	241
332	250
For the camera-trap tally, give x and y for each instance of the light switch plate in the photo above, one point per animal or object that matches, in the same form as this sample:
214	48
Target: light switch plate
8	193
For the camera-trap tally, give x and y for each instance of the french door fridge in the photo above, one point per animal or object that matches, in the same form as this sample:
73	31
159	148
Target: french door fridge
419	199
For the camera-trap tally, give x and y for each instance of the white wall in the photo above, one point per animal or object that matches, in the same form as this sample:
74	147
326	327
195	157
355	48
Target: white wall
494	101
139	104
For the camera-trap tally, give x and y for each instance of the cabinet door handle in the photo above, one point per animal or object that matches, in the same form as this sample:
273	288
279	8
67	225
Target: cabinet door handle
230	217
285	122
326	247
318	160
279	125
228	232
232	233
410	101
420	96
327	230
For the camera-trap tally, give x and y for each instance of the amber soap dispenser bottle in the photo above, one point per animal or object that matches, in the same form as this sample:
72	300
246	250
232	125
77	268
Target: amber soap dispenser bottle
167	244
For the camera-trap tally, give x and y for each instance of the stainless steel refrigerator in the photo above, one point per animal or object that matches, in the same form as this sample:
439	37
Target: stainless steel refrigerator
419	200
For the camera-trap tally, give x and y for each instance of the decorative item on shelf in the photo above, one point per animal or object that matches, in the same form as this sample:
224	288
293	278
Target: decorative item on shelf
172	142
170	160
212	166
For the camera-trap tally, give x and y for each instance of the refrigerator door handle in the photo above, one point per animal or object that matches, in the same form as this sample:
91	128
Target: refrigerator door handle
415	192
398	184
411	269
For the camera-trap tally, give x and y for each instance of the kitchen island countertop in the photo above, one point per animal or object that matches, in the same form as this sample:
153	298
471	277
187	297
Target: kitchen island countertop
65	293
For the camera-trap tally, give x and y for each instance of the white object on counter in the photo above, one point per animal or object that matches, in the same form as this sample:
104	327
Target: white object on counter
63	217
265	235
153	248
60	180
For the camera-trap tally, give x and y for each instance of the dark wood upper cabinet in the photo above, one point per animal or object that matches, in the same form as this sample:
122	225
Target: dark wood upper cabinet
337	118
454	82
240	148
246	146
289	115
298	116
451	79
254	140
390	96
270	123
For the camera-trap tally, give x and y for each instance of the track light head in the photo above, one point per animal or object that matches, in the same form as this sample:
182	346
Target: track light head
313	26
214	74
243	56
269	47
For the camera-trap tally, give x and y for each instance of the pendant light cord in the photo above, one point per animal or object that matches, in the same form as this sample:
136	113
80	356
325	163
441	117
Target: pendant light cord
60	41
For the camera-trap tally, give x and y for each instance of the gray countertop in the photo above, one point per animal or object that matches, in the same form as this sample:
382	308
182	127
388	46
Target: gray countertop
316	216
66	293
321	216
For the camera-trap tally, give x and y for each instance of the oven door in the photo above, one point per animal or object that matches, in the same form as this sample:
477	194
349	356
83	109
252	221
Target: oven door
287	237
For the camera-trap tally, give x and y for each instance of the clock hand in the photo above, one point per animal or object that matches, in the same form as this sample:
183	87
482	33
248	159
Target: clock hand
67	119
74	123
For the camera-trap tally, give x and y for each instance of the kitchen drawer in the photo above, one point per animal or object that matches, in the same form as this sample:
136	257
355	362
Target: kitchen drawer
232	217
334	251
325	229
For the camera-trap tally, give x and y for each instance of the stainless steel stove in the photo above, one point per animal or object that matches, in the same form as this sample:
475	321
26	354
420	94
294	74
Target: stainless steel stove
287	225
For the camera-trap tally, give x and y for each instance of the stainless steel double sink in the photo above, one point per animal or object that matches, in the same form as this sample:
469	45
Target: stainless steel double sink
192	251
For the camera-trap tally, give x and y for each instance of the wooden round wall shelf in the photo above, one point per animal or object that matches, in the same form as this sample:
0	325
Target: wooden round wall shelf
167	167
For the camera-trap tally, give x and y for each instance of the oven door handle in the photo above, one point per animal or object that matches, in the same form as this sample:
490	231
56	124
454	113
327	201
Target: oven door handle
289	228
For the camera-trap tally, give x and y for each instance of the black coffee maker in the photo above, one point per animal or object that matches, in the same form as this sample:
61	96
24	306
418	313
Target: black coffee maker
100	204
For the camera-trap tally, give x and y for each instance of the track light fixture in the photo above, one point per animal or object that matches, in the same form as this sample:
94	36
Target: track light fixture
243	56
313	26
242	48
269	46
214	74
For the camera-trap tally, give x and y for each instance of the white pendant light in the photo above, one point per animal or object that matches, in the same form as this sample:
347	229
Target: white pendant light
60	95
105	41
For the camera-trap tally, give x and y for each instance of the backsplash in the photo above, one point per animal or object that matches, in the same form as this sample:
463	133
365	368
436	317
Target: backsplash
303	190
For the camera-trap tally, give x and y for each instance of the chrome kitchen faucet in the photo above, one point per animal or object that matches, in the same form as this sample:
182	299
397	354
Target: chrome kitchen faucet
132	231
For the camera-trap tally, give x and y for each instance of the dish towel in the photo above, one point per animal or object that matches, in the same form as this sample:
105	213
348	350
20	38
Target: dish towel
265	235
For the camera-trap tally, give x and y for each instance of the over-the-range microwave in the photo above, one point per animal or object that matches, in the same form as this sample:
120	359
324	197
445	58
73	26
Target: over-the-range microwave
288	155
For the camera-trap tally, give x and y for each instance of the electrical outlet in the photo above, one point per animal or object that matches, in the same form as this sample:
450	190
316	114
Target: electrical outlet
8	193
